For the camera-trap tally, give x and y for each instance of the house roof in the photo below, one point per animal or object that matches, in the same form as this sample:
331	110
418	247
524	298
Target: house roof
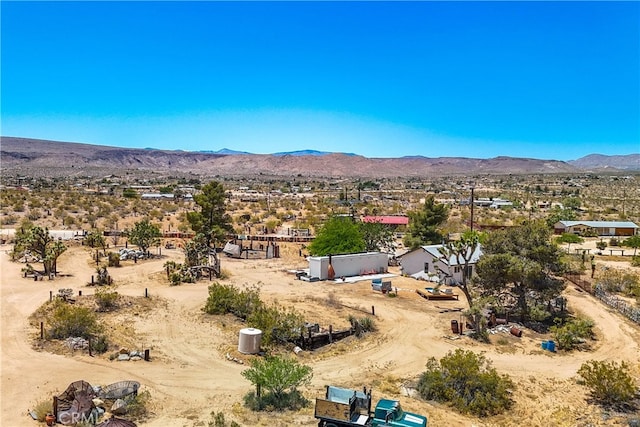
599	224
434	250
387	219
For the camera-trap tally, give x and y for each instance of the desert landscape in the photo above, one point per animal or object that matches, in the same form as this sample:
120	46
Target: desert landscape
195	367
189	374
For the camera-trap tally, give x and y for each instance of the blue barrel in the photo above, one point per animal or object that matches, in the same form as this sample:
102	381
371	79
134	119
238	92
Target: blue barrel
551	345
544	345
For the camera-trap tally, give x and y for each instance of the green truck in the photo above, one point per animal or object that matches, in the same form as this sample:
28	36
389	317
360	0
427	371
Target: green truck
343	407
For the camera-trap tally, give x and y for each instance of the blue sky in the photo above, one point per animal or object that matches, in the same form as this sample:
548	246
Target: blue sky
551	80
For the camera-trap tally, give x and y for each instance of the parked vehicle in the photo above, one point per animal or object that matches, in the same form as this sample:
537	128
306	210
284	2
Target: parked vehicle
343	407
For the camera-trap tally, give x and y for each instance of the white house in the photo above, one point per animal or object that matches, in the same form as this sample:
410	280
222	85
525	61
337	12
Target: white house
428	262
348	265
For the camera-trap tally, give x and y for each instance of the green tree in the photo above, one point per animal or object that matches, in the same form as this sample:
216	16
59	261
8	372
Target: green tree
557	213
212	220
424	224
339	235
278	375
468	382
519	267
632	242
572	203
569	238
145	234
609	382
377	236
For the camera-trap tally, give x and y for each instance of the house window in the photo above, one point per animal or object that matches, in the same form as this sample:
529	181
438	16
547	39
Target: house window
468	272
456	269
426	267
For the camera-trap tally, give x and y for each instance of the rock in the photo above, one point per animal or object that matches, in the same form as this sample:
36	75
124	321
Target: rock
119	407
123	357
135	358
124	351
98	402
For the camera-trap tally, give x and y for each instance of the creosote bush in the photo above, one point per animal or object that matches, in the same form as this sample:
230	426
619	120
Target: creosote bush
570	332
277	323
218	420
468	382
276	379
609	382
106	300
68	320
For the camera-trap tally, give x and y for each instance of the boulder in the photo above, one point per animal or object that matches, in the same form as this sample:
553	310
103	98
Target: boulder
119	407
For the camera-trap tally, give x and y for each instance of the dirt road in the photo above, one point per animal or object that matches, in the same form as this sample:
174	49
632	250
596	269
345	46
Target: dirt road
190	376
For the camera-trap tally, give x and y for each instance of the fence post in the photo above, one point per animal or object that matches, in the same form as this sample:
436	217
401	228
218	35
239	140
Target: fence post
41	330
373	310
330	333
50	295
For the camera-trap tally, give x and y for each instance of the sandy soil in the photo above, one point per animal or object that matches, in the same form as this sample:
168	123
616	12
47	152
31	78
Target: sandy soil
189	375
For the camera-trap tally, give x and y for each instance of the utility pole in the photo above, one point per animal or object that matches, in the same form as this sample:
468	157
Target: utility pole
473	187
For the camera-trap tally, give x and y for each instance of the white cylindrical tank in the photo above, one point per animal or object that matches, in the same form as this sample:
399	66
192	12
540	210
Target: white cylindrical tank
249	341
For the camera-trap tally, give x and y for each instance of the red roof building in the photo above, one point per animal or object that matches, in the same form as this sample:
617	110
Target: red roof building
387	219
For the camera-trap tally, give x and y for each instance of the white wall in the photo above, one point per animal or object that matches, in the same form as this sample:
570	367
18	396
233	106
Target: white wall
349	265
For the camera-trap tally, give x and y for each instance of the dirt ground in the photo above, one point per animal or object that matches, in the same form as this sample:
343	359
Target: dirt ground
190	374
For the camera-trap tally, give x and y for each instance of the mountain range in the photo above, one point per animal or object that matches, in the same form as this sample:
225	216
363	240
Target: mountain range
54	158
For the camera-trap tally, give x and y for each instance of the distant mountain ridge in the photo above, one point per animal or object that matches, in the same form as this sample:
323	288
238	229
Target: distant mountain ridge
54	158
602	161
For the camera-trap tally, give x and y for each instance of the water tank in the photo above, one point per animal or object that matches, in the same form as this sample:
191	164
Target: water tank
249	341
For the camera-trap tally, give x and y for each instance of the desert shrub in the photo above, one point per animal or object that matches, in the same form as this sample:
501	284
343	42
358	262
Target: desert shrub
138	405
218	420
225	299
175	278
114	259
614	242
42	408
106	300
635	261
570	332
68	320
468	382
276	379
602	245
609	383
100	344
362	325
333	300
618	280
278	325
220	300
